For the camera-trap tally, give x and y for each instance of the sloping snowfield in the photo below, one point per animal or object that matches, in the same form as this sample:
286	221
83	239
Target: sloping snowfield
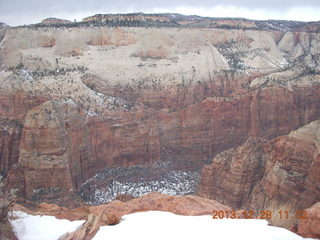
29	227
155	225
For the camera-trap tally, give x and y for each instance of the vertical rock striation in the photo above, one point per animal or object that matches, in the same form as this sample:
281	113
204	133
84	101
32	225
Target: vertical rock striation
261	173
55	156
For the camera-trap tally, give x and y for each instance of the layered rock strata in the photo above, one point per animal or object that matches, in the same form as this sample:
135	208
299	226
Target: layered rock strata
86	98
260	174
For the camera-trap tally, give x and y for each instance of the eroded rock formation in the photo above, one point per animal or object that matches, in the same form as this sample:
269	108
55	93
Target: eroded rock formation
261	173
54	147
86	98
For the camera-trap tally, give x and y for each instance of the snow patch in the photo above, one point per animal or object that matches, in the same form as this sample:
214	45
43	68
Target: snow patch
29	227
69	101
26	74
91	113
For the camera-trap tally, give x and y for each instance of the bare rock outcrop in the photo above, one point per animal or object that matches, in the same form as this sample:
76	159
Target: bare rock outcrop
260	173
233	174
182	205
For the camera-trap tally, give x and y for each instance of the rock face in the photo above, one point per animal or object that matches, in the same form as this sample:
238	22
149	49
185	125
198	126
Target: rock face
86	98
233	173
13	110
54	149
309	227
261	173
10	135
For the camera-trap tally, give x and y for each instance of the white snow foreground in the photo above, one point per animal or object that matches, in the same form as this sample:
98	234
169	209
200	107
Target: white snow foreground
154	225
163	225
29	227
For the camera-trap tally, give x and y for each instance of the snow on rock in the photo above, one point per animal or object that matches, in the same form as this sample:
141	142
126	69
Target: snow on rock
29	227
137	181
26	74
164	225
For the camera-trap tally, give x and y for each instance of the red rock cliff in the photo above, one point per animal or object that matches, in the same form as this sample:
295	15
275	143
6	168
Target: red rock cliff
260	173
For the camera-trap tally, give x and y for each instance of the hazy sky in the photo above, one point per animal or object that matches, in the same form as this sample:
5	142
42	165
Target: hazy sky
17	12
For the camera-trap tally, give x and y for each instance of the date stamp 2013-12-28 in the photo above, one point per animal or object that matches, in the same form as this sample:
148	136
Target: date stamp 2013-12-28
263	214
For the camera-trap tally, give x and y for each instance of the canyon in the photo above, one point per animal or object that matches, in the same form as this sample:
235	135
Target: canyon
233	99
